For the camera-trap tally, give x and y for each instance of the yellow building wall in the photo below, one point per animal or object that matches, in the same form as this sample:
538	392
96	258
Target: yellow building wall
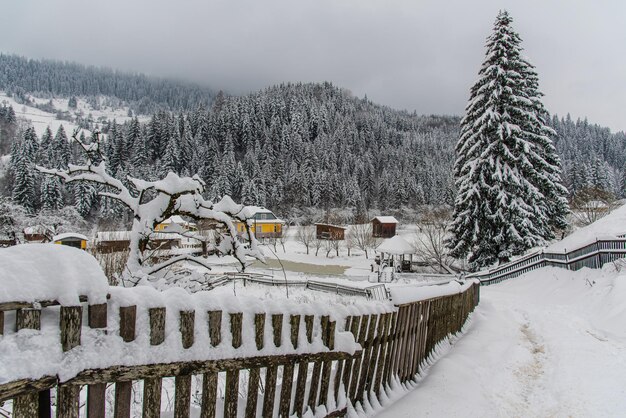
265	227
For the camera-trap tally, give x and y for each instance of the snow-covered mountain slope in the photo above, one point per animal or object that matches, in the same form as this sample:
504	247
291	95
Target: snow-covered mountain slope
551	343
41	119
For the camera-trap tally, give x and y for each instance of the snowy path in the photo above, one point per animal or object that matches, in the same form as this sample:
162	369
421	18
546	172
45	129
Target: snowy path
550	344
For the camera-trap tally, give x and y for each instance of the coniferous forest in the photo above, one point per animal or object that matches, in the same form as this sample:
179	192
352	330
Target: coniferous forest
287	147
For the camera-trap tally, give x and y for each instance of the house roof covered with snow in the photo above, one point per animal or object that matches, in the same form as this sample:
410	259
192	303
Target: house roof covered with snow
386	219
396	246
260	215
176	219
69	235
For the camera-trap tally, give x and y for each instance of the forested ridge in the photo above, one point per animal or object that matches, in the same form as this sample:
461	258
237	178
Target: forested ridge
293	146
20	76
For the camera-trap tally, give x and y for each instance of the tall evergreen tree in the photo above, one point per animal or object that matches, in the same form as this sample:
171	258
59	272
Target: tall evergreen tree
510	195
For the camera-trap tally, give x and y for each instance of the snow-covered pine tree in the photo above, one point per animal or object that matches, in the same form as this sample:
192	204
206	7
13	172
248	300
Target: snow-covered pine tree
22	166
510	195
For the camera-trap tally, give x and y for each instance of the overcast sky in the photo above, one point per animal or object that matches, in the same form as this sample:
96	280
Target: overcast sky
415	55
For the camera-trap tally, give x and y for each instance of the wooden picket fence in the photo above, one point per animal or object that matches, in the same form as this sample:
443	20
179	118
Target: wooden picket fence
393	346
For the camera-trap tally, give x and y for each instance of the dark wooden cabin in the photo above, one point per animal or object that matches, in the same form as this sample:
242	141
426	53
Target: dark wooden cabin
384	226
330	232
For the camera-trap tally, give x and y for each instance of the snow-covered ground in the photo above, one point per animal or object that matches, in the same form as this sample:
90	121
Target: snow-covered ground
41	119
551	343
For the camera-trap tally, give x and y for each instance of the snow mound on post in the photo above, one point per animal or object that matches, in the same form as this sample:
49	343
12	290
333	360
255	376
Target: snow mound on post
37	272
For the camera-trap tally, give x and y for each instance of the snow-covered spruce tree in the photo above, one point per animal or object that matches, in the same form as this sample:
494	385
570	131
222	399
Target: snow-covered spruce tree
510	197
151	202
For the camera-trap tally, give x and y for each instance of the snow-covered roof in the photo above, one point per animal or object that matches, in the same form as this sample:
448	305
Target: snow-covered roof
37	272
176	219
331	225
250	211
396	245
609	227
386	220
67	235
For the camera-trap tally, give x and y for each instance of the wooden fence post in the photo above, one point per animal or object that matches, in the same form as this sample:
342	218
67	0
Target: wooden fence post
97	319
288	369
71	319
271	371
209	379
27	405
255	374
182	383
232	375
152	386
328	338
215	327
128	317
339	371
356	367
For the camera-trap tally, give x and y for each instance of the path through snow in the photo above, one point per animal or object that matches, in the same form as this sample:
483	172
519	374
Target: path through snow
548	344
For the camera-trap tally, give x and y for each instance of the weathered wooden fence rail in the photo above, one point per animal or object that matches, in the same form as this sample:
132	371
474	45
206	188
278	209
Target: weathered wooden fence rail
593	255
271	363
373	292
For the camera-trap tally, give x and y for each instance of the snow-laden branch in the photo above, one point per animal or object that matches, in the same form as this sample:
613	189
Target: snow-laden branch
172	195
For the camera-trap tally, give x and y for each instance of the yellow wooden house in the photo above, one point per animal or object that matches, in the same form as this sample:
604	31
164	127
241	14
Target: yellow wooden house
263	223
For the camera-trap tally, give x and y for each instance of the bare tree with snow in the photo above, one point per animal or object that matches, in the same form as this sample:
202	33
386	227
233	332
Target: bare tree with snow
151	202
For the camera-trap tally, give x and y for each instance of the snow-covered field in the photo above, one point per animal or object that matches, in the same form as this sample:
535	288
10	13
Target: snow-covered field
41	119
551	343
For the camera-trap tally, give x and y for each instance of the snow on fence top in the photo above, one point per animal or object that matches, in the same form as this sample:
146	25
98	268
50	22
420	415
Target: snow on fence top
38	272
609	227
407	294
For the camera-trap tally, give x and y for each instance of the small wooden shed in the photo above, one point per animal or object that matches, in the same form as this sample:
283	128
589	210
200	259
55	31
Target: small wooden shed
330	232
384	226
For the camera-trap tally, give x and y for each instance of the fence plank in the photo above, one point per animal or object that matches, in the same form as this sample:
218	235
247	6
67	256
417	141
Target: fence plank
187	321
347	372
382	356
28	405
123	390
1	322
182	396
271	373
157	325
255	373
232	393
356	367
285	391
294	322
215	327
253	392
340	363
367	353
96	402
298	403
235	328
277	325
308	321
71	318
68	401
327	364
374	359
152	397
259	330
315	384
209	394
